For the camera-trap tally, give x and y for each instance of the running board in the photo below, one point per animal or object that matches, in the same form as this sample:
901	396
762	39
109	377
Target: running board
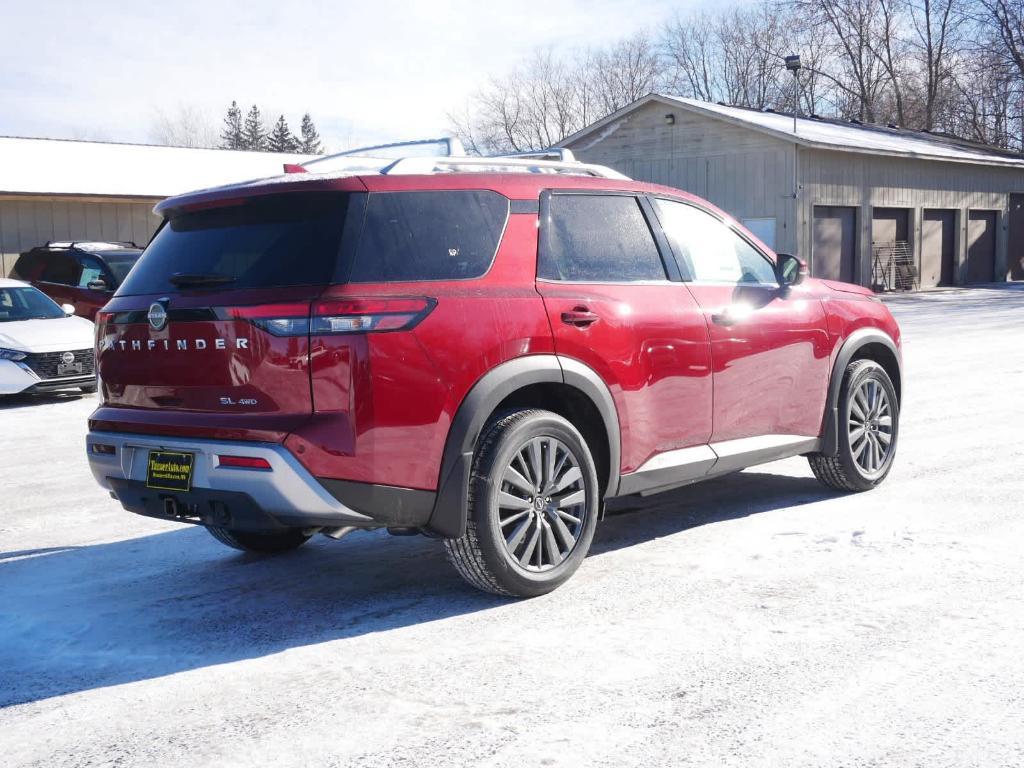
688	465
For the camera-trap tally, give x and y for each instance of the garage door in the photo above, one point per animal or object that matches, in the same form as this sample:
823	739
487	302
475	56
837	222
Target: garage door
938	248
833	249
981	246
889	225
1015	238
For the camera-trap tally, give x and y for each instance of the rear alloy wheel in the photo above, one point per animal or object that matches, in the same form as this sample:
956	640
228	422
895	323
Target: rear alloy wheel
868	430
262	543
532	507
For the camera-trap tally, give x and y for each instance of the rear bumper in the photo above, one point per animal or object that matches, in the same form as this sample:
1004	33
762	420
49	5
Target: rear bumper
287	495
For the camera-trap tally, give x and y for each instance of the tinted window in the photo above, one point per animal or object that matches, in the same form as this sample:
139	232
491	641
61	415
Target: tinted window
272	241
60	268
27	304
710	250
450	235
599	238
119	264
28	267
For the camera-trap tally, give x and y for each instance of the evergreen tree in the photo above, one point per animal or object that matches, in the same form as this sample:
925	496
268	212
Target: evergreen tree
254	136
310	144
281	138
231	135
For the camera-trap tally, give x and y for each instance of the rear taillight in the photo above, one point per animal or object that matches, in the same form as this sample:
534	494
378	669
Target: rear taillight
366	315
243	462
336	316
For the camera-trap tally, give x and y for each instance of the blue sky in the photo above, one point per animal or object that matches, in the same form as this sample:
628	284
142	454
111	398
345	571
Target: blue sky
367	71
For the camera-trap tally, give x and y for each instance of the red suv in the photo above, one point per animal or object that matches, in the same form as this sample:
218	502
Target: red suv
83	274
482	351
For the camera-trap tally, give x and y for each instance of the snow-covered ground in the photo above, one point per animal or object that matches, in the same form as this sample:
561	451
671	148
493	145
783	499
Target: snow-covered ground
757	620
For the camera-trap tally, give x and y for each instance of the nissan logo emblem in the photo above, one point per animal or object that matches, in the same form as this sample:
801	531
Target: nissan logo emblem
157	316
68	358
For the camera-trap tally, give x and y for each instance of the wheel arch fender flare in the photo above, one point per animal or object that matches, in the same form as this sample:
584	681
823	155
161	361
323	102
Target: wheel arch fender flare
853	343
448	517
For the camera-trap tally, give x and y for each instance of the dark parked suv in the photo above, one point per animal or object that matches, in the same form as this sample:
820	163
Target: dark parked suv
481	350
83	274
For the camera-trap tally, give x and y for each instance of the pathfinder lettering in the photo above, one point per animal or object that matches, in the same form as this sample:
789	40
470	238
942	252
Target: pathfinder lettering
165	344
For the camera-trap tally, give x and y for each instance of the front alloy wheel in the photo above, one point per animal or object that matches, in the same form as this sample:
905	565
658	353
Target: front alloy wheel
869	419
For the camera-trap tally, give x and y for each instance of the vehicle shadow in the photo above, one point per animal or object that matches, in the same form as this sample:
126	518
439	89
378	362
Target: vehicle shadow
78	618
8	402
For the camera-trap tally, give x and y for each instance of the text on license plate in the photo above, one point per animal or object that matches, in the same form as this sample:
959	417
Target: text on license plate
169	470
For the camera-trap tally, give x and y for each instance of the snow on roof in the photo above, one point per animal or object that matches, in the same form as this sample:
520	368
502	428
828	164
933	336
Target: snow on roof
834	134
62	167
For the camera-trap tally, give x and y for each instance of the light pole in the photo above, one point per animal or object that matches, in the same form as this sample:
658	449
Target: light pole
793	65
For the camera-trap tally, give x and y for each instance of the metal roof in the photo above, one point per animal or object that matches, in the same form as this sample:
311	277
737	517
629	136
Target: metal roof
820	133
63	167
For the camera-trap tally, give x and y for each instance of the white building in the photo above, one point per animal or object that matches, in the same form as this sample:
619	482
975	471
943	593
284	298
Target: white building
54	189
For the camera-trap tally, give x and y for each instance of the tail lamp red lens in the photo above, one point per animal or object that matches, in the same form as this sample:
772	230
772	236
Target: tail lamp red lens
336	316
243	462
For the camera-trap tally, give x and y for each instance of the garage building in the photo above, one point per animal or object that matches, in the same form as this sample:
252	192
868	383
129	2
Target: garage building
880	206
52	190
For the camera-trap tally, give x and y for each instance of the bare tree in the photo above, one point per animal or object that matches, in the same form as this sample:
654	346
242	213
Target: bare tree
623	72
937	43
184	126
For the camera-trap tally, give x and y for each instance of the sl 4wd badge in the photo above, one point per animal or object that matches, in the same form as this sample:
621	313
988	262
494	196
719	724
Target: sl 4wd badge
243	401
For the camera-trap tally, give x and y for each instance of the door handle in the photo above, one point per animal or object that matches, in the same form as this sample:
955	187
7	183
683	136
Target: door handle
580	317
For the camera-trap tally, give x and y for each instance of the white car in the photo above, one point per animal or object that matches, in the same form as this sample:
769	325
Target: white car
44	347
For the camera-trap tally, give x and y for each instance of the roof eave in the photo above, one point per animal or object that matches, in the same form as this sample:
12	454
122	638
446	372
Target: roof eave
776	134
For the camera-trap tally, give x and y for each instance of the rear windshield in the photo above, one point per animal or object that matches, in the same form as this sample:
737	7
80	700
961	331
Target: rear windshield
301	239
271	241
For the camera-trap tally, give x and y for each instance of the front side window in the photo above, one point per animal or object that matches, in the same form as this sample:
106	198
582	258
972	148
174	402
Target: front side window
429	235
711	252
598	238
91	270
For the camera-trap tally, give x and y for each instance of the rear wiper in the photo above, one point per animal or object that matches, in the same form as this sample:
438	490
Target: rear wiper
183	279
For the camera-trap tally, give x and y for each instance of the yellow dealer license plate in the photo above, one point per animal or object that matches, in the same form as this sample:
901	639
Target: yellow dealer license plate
169	471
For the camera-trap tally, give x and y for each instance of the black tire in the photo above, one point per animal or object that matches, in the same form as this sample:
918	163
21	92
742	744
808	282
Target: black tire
843	472
482	556
263	543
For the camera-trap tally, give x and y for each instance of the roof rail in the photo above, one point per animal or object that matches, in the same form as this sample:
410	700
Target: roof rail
551	153
448	146
426	165
394	159
81	243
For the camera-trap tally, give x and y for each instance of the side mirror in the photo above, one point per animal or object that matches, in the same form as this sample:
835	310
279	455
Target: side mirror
69	309
97	285
790	270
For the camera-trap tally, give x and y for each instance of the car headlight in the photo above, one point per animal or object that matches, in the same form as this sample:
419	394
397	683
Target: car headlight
11	354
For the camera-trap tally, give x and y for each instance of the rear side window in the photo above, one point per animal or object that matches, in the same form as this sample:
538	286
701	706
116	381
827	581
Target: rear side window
442	235
598	238
60	268
265	242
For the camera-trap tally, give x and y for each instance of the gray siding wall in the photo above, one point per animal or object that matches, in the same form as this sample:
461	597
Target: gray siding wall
747	174
750	175
28	222
869	181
